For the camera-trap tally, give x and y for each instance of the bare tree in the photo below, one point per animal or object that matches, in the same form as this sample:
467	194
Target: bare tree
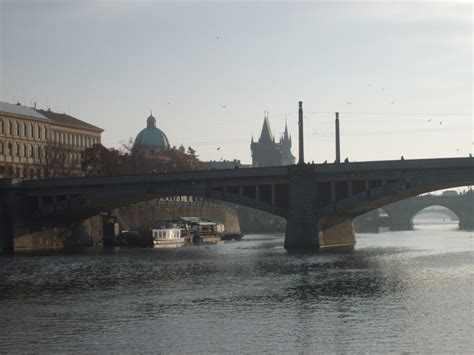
58	160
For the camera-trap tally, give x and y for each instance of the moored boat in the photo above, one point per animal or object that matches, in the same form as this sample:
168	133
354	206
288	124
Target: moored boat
167	237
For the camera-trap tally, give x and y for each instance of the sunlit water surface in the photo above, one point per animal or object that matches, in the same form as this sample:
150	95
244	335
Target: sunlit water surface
396	292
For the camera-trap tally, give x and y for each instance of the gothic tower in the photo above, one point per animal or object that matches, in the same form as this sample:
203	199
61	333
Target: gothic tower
266	152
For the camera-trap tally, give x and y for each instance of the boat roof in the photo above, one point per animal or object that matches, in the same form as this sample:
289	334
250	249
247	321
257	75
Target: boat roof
198	220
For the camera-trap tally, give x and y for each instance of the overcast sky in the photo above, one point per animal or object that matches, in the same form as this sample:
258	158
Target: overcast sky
400	74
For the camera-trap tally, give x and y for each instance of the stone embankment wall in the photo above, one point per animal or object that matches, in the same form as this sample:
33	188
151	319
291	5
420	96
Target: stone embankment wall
82	234
143	215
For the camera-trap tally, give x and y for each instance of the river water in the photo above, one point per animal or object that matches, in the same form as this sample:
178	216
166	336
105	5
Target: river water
396	292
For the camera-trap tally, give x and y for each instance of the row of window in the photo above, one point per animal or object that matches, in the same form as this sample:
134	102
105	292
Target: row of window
20	172
41	132
29	150
74	139
23	129
19	150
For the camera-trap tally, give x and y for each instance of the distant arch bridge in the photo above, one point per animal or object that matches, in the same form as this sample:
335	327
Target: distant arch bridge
401	213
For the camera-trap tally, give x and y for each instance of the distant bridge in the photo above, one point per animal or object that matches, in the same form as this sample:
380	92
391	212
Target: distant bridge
401	213
318	201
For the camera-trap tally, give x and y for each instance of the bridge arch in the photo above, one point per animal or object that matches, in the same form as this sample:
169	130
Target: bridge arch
448	213
386	194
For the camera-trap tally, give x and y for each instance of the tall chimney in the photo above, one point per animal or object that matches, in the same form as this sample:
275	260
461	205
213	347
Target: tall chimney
338	142
300	124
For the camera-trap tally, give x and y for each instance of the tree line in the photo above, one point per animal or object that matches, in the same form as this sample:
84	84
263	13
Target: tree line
58	160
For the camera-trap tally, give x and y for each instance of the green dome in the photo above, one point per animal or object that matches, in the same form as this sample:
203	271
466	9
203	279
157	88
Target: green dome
152	137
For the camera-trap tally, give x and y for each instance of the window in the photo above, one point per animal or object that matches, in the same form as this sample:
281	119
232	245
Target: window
1	148
1	126
10	127
45	133
32	151
10	149
23	151
38	132
17	149
18	128
32	131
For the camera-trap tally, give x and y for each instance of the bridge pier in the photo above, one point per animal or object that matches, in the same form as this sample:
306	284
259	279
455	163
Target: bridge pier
401	222
339	235
6	235
302	228
7	222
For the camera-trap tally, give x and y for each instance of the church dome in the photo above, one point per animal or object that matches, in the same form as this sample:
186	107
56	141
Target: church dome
152	137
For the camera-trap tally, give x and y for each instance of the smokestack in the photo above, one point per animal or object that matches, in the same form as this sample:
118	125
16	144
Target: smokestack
338	142
300	124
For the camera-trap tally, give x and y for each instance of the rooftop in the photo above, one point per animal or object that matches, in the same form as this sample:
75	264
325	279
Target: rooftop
21	110
66	120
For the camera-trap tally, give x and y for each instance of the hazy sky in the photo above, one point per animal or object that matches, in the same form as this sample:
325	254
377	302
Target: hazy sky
400	73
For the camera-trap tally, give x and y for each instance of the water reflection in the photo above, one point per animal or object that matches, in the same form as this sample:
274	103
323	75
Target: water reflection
248	296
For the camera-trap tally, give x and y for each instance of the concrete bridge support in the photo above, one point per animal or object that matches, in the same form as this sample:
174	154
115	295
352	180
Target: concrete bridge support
6	235
401	221
302	228
339	235
7	222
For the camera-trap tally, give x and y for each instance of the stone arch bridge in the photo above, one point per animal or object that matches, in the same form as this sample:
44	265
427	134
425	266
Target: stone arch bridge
401	213
318	201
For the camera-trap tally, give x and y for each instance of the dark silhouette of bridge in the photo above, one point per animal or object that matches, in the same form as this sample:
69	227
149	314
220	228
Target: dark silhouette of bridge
401	213
319	201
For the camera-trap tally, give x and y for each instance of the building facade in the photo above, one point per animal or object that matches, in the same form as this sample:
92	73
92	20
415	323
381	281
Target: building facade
41	143
267	152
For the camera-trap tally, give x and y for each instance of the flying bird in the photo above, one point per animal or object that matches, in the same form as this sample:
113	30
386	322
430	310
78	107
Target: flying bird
440	122
430	120
218	148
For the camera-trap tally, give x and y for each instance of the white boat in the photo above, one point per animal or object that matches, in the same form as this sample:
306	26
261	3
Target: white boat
167	237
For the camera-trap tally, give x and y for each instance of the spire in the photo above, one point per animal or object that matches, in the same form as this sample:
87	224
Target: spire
285	134
151	121
266	135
